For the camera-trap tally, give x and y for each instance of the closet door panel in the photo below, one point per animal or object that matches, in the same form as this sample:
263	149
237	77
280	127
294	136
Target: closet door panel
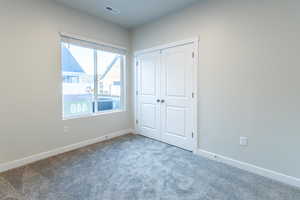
176	93
148	94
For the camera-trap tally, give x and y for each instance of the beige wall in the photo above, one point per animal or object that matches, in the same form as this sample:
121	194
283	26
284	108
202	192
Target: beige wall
248	76
30	78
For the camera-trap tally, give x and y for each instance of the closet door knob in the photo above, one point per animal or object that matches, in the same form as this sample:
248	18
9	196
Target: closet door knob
158	100
162	101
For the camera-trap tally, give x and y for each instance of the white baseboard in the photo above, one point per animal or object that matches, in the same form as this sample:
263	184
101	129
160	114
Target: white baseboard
293	181
135	131
41	156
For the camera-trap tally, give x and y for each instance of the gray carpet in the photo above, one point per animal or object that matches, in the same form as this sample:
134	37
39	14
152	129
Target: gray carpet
134	167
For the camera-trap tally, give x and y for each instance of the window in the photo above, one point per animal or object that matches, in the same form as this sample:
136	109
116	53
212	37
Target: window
93	78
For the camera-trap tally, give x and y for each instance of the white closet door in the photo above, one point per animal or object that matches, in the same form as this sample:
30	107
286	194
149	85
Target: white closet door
148	94
176	95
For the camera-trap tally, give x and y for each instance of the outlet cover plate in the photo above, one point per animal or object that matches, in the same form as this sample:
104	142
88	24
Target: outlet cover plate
244	141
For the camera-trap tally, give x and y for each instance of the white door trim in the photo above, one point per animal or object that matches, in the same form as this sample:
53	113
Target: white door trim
195	41
168	45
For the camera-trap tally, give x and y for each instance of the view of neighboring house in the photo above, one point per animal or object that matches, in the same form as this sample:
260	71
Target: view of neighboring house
78	86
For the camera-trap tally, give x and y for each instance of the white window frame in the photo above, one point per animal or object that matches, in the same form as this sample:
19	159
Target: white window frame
102	46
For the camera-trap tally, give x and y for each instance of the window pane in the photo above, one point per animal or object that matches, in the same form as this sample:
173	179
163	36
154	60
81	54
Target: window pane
109	66
78	80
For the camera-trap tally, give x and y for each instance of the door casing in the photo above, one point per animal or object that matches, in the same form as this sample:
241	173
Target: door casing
195	42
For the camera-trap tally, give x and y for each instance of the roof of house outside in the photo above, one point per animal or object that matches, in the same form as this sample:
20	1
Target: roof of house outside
69	63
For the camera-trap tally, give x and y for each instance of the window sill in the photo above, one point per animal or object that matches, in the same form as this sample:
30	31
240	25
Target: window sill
94	114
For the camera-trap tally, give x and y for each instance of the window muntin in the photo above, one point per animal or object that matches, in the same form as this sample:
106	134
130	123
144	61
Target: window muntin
93	80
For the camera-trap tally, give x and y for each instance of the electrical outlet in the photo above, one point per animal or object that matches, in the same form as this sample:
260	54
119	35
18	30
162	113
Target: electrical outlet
243	141
66	129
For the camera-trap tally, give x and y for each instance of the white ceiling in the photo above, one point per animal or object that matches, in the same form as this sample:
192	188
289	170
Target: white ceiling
132	12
